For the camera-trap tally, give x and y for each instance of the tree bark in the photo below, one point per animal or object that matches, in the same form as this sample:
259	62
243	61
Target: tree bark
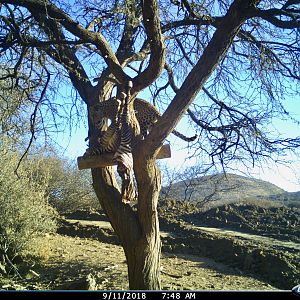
148	250
138	231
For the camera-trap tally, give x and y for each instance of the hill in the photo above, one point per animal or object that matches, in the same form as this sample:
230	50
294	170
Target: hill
295	196
227	188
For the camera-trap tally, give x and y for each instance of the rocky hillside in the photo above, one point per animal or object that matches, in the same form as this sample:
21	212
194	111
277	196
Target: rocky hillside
293	197
227	188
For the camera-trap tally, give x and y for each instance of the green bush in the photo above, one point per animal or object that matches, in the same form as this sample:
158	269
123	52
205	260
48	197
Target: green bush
24	209
68	189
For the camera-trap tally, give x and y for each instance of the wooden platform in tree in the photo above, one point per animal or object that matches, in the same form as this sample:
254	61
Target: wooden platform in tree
105	160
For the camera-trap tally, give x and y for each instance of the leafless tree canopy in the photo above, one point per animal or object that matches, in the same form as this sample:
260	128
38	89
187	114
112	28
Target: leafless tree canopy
228	66
245	92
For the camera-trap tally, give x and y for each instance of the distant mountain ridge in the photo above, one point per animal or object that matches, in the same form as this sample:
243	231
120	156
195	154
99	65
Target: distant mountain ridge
294	195
227	188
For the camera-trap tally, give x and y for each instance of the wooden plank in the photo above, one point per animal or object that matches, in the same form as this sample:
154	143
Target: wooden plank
106	160
164	152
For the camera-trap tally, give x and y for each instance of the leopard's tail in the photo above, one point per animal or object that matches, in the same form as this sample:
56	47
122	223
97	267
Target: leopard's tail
183	137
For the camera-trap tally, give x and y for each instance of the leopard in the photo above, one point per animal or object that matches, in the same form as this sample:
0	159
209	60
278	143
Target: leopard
146	113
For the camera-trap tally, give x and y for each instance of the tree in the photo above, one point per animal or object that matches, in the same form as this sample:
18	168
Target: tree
14	109
246	51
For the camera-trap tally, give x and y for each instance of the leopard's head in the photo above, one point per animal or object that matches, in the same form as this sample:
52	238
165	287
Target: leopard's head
96	115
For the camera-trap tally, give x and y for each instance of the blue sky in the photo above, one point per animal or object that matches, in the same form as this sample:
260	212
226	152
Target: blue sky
286	176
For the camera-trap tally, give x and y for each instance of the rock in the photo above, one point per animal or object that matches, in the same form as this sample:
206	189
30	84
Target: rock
31	274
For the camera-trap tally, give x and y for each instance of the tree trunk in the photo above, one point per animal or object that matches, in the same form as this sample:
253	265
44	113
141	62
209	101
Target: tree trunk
138	231
144	258
143	261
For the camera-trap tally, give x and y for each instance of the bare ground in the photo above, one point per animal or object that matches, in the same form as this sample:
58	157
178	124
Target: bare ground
242	248
69	262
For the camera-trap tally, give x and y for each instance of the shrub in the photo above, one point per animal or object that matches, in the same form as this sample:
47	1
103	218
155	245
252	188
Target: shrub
24	209
68	188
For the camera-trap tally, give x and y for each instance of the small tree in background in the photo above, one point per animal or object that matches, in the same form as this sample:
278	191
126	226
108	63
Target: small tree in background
24	209
67	188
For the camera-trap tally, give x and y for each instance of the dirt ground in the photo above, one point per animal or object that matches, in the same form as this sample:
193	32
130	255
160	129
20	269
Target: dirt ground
248	237
85	253
69	262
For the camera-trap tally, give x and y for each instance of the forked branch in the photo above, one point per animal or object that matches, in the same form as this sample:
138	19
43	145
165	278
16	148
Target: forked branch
214	52
155	39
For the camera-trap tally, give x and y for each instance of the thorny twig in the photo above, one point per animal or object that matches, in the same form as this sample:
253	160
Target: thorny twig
33	121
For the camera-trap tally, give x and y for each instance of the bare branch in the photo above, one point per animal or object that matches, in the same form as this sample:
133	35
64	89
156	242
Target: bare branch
96	38
33	120
193	83
151	22
271	15
271	54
